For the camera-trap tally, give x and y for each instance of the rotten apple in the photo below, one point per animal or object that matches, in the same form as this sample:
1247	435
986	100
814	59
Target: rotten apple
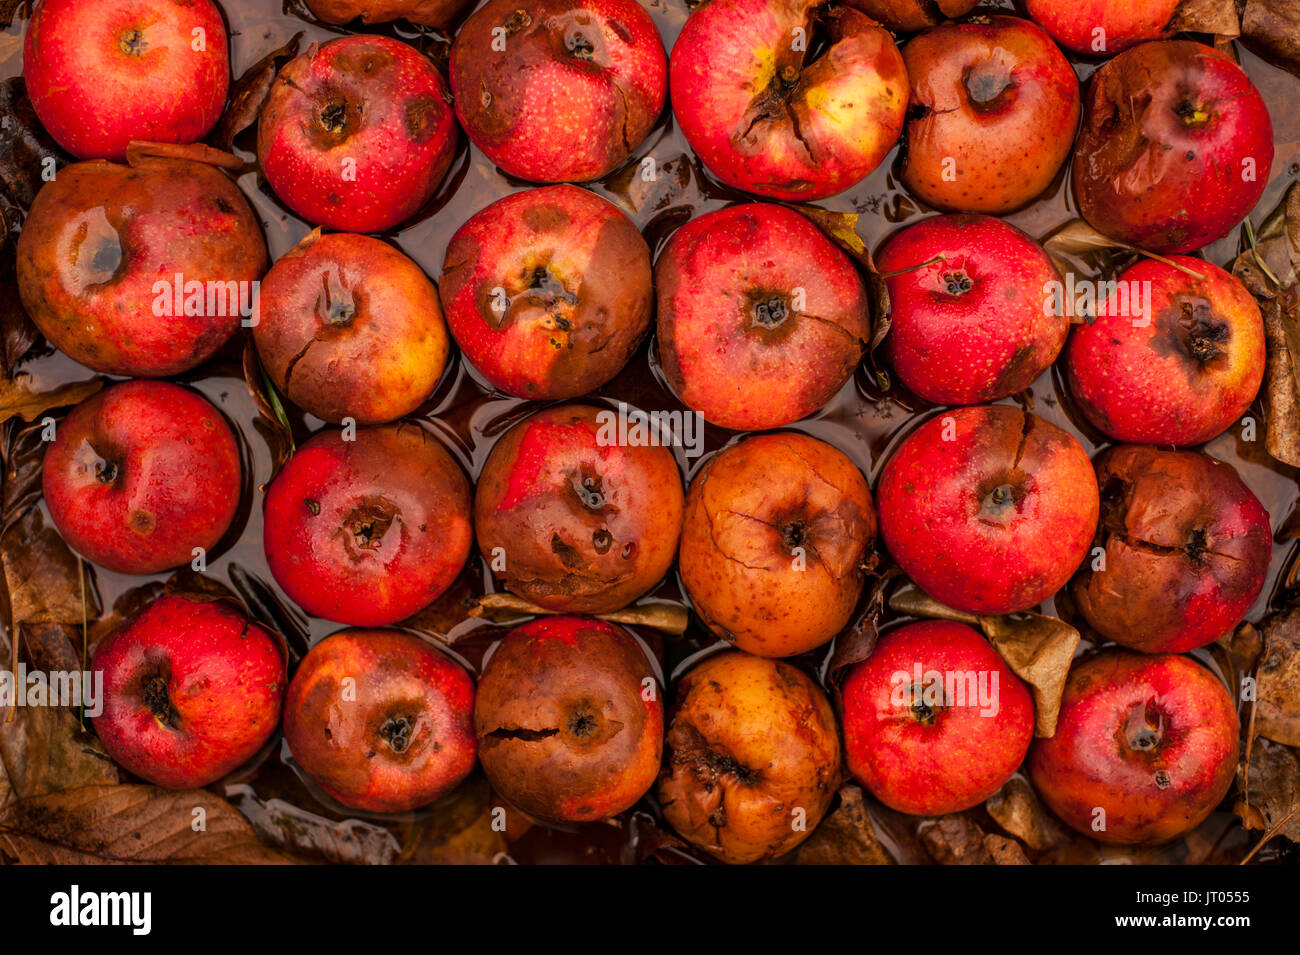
909	16
426	13
1103	26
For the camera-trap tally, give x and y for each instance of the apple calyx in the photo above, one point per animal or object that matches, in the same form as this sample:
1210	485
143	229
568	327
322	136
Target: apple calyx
154	691
367	524
396	732
132	43
1144	727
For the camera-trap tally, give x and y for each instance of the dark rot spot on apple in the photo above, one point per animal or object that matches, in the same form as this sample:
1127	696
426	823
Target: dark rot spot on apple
333	116
1144	728
422	118
156	693
602	540
794	534
143	522
989	86
1192	113
1204	335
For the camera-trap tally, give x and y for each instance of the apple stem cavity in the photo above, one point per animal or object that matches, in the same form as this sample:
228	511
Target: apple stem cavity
132	43
158	699
1141	733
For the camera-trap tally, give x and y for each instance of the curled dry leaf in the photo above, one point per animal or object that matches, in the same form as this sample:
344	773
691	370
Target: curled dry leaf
1272	28
1214	17
24	146
1016	808
249	93
1277	700
309	836
18	400
1237	651
272	423
667	617
856	643
1037	648
458	830
642	196
1274	777
139	150
846	836
957	840
42	577
22	452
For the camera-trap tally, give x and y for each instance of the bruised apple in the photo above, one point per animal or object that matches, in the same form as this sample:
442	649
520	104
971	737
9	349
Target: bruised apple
569	720
426	13
1186	550
753	757
776	530
573	520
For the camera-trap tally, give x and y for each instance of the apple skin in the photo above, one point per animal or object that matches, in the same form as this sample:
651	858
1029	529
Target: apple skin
565	730
1187	547
140	474
1126	23
366	532
996	98
428	13
1169	134
988	509
400	737
940	341
1152	740
548	292
909	16
372	100
577	88
101	236
1185	376
751	741
776	530
582	526
192	690
350	327
102	74
764	121
927	761
731	342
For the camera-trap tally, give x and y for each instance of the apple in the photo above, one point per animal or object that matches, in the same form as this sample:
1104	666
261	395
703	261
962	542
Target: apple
1181	367
946	276
572	520
548	292
761	318
558	90
101	73
350	327
1186	550
994	107
767	115
144	269
776	531
909	16
1145	748
988	509
357	133
142	477
1176	147
381	720
934	720
753	757
366	530
1103	26
192	690
569	720
428	13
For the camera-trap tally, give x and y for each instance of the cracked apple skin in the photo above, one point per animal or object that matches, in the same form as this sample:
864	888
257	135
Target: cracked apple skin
1151	740
100	238
988	509
366	532
548	292
1175	149
994	107
926	760
775	533
102	74
357	133
1182	378
765	119
581	525
398	737
577	88
350	327
1187	547
909	16
192	691
1125	23
141	474
761	318
941	342
428	13
569	719
751	742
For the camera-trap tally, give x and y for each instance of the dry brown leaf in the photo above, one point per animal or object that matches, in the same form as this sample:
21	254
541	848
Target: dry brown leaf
459	830
1016	808
249	92
139	150
846	836
1236	653
1272	28
667	617
18	400
958	840
1274	790
312	837
44	749
272	422
1277	715
42	577
1215	17
1005	851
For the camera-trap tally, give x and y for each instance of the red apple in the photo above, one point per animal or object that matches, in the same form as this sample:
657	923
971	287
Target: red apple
558	90
1176	147
350	327
988	509
761	317
140	270
1103	26
142	477
356	134
366	531
994	107
1186	550
767	117
951	274
192	690
101	73
1180	368
381	720
1145	748
908	16
548	292
934	720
